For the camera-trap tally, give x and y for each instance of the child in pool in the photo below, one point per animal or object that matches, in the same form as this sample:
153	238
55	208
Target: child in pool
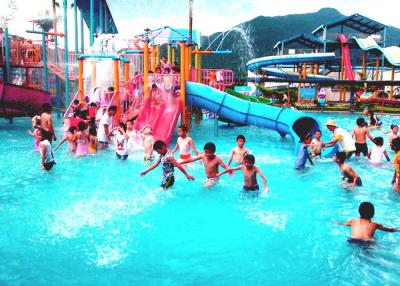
396	162
393	134
363	228
184	143
71	138
361	133
238	152
131	132
250	172
374	120
316	144
82	139
93	142
121	141
211	163
35	139
353	179
47	158
303	154
168	163
148	142
376	152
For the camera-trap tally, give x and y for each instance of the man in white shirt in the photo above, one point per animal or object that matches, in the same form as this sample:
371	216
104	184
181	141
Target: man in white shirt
105	126
342	137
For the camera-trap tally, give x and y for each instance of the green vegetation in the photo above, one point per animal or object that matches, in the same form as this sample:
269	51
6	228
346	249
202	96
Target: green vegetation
247	97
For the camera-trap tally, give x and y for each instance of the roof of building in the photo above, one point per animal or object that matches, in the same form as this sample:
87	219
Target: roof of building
356	22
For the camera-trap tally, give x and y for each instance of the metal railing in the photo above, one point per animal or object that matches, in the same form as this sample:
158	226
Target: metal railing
209	76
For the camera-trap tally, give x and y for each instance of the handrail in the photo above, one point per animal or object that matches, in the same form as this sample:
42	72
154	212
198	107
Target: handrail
70	105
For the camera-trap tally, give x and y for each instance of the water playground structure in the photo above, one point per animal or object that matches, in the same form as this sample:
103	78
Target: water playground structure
158	100
342	54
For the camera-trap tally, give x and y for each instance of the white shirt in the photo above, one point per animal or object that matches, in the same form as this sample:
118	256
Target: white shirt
121	142
346	142
376	154
48	155
101	132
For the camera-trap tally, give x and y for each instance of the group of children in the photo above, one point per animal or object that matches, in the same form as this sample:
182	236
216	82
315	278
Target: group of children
239	156
85	134
349	147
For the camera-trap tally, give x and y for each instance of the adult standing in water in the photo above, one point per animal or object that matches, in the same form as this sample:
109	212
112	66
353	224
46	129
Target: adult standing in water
342	137
46	123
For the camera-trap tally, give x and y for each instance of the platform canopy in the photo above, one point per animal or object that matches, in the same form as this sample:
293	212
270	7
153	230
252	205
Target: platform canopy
103	20
306	40
356	22
168	35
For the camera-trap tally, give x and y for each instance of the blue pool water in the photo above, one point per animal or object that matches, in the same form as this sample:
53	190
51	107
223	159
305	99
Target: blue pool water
94	221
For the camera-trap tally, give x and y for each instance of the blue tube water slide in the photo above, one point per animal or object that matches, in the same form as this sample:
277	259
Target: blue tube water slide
285	121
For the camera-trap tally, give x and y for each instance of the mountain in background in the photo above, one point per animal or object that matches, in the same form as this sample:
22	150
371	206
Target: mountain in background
257	37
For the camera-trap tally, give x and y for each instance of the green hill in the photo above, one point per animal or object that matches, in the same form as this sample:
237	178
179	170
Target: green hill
257	37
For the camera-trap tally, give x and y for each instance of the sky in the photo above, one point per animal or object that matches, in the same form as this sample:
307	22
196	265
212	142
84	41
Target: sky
132	16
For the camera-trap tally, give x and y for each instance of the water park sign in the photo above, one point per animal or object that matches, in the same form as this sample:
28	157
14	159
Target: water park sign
307	92
243	89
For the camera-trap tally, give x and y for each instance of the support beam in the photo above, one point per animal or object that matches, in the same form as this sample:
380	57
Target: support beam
158	55
66	75
146	68
7	55
80	80
94	77
169	54
391	86
183	81
173	55
116	89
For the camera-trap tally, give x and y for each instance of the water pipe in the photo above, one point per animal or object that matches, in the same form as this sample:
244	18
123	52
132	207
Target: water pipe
125	52
76	26
212	52
146	67
98	56
45	73
101	15
45	33
82	34
116	88
66	75
91	32
58	94
183	82
7	54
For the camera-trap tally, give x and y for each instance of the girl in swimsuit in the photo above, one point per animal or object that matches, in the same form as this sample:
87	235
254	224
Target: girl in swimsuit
93	140
184	143
82	139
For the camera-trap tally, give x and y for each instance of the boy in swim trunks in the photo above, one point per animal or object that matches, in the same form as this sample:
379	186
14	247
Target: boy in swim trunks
250	172
363	229
348	173
211	163
316	144
168	162
361	133
148	141
238	152
396	162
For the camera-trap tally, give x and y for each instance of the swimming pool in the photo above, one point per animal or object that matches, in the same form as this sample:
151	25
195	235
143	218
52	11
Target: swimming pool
94	221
